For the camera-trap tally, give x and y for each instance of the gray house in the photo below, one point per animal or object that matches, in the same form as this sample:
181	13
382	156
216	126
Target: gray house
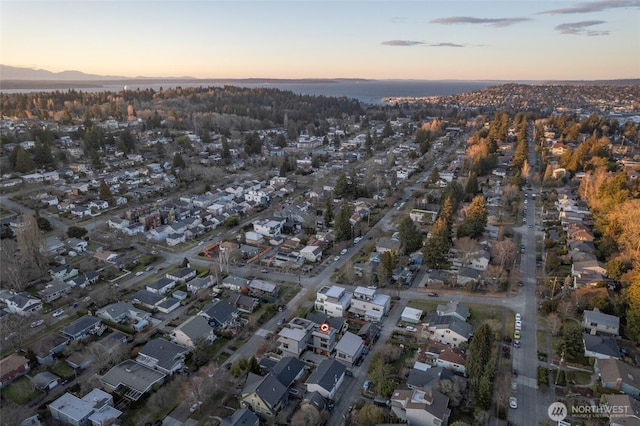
162	355
83	327
596	322
349	348
327	378
220	314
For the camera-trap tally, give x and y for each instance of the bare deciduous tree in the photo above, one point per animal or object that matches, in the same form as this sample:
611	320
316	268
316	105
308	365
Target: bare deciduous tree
465	247
503	253
553	323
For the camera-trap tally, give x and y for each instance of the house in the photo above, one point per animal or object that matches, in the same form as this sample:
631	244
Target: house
105	256
618	376
220	314
596	322
264	395
454	308
601	347
84	280
20	303
82	360
426	216
182	275
244	303
174	238
467	275
45	348
122	312
323	342
162	355
420	406
479	260
83	327
260	287
269	227
193	330
45	380
201	283
146	299
161	286
327	378
131	379
428	378
293	340
448	329
63	272
288	370
333	301
241	417
588	266
437	277
168	304
54	290
452	359
235	283
12	366
95	408
368	304
411	315
349	348
387	244
312	253
627	410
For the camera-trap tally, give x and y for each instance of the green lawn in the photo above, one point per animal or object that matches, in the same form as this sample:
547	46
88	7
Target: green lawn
479	313
580	377
21	391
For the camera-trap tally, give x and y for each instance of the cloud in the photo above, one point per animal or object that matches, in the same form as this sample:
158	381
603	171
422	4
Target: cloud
494	22
402	43
398	20
446	45
593	6
581	28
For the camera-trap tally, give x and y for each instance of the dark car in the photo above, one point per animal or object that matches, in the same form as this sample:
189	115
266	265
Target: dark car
348	373
432	294
359	361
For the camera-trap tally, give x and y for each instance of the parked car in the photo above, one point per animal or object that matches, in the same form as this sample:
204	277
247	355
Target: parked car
348	373
410	328
335	259
432	294
343	252
58	313
514	386
518	317
513	402
195	406
516	343
516	334
518	325
37	323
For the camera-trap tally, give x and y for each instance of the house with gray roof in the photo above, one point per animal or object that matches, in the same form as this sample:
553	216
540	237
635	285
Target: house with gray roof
326	378
162	355
122	312
454	308
45	348
83	327
349	348
241	417
54	290
191	331
220	314
235	283
131	379
618	376
288	370
182	275
429	378
601	347
161	286
197	284
448	329
147	299
596	322
95	408
45	380
420	406
20	303
265	395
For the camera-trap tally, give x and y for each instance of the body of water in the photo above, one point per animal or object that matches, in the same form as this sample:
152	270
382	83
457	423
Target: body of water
367	91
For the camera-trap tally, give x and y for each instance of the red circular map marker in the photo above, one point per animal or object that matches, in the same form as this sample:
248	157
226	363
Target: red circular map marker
324	327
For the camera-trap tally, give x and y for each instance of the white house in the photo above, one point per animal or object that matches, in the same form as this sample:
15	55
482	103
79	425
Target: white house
369	304
333	301
191	331
312	253
327	378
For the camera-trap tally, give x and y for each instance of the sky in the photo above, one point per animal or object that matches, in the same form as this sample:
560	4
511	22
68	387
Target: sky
423	40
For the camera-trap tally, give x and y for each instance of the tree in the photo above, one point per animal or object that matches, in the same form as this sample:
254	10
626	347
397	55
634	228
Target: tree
571	342
437	246
386	266
410	237
31	244
76	232
472	185
479	354
369	415
503	252
178	162
328	211
306	415
554	323
465	247
43	224
342	185
435	175
476	220
105	192
24	163
342	226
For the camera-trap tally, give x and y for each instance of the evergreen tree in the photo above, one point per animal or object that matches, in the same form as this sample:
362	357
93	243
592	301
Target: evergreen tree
24	163
342	224
328	211
437	246
342	185
434	176
410	237
476	220
472	184
178	162
105	192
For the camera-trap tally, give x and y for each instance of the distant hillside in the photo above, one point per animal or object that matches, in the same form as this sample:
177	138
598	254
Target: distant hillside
18	73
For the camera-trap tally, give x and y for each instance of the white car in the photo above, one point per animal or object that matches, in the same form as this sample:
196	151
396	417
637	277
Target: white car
195	406
514	386
518	317
518	325
411	328
343	252
58	313
513	402
37	323
335	259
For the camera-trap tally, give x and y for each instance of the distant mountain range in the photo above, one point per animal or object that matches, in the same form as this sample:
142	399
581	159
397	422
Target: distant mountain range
8	72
